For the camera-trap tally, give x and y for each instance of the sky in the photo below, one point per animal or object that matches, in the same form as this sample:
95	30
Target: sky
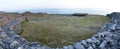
110	5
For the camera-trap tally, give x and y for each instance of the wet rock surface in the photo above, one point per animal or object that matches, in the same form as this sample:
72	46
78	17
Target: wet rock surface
107	38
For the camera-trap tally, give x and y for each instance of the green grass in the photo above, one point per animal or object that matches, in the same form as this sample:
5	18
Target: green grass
58	31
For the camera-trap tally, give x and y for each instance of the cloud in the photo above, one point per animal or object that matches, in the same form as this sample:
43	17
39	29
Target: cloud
112	5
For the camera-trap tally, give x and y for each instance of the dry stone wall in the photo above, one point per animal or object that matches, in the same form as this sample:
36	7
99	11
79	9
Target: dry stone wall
3	20
107	38
17	27
5	17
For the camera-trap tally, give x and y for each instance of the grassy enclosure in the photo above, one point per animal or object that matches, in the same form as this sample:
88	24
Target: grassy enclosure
58	31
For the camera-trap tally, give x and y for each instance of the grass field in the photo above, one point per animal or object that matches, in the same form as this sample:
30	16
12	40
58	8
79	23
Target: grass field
57	31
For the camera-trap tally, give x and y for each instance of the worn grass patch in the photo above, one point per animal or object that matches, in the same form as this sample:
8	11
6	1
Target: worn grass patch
58	31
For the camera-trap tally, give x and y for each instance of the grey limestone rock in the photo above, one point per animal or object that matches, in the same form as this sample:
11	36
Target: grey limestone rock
11	34
57	48
89	40
45	47
113	27
94	46
79	46
1	29
84	43
20	48
2	44
3	35
65	47
90	47
14	44
70	47
103	44
1	47
95	40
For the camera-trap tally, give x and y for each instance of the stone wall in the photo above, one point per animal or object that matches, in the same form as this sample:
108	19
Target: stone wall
30	15
3	20
5	17
14	14
17	27
107	38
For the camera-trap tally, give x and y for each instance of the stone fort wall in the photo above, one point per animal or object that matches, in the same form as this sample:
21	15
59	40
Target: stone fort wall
6	17
107	38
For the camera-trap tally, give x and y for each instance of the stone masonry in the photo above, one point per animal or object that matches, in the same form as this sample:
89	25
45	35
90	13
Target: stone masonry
107	38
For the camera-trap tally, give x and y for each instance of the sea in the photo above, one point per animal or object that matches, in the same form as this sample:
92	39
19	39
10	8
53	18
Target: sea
65	10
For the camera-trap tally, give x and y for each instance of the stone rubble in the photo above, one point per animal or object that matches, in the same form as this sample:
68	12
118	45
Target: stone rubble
107	38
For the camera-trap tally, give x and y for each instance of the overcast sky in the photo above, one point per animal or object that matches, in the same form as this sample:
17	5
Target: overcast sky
111	5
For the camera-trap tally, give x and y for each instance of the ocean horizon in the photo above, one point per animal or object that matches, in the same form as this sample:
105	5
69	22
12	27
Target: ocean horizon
64	11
